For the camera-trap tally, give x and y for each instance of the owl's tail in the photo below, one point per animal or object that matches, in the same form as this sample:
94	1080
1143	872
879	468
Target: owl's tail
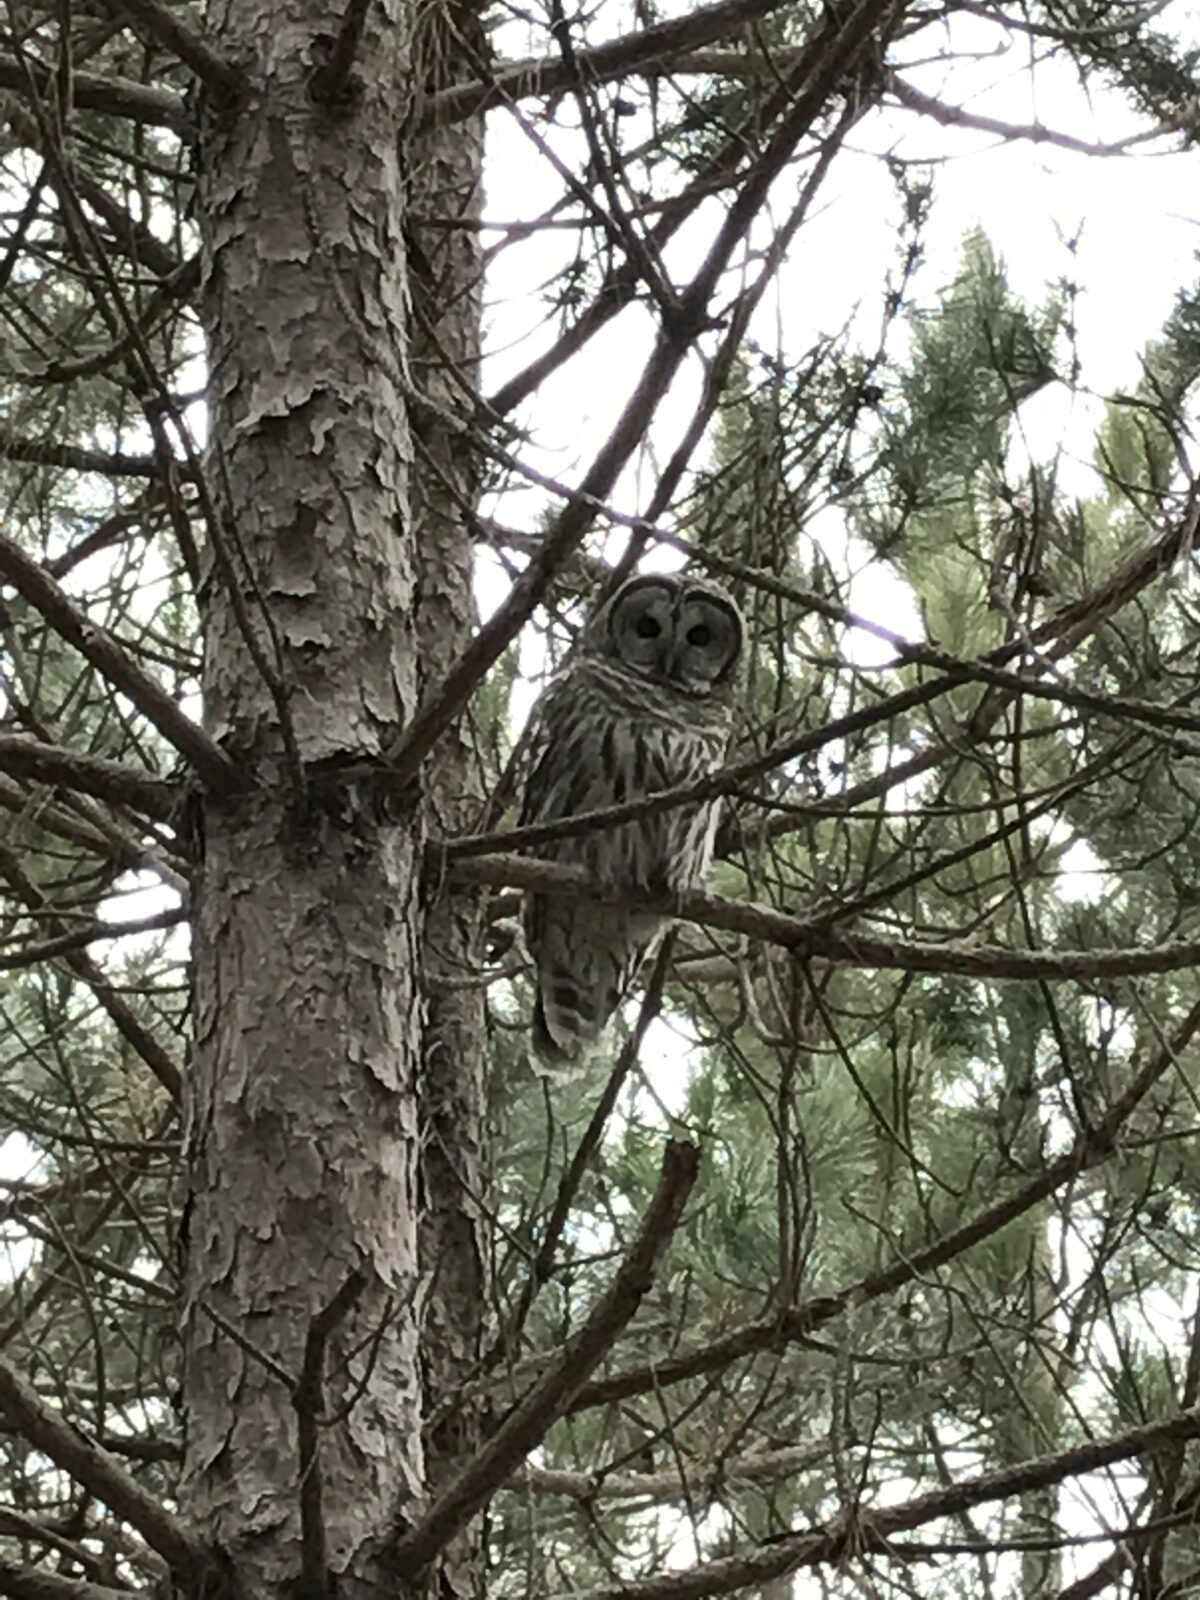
587	959
568	1024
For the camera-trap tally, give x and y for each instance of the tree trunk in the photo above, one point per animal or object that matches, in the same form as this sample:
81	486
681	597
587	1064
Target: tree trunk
446	282
304	1124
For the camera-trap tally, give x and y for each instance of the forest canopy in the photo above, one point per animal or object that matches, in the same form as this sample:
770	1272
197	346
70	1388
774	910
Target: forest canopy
348	355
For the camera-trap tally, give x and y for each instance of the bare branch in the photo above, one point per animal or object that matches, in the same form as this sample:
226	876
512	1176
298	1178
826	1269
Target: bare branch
191	48
766	1466
871	1532
1092	1147
103	1476
130	235
1028	132
36	1583
114	96
44	453
94	775
817	938
844	41
534	1416
93	933
127	1024
661	43
98	646
332	83
308	1399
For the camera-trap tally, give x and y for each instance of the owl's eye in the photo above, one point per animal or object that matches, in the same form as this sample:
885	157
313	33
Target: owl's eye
647	628
699	635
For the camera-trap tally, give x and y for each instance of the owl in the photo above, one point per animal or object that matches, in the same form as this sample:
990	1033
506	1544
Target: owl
646	703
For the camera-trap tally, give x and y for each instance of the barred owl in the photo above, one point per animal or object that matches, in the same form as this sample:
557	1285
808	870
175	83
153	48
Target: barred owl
645	704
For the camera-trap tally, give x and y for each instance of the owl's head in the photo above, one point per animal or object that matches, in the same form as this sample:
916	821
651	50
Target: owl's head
673	630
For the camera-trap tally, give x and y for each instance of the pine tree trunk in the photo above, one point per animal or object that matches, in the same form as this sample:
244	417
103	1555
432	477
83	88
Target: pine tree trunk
446	166
304	1125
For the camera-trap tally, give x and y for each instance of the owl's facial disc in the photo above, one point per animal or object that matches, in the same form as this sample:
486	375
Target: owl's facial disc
640	625
707	641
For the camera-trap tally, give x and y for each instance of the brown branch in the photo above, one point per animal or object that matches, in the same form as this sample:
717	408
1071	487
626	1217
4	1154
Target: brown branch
98	1472
548	1399
871	1531
1091	1147
841	43
308	1401
655	46
86	825
112	95
331	82
766	1466
130	236
44	453
35	1583
815	937
131	1029
169	29
80	938
94	775
1028	132
97	645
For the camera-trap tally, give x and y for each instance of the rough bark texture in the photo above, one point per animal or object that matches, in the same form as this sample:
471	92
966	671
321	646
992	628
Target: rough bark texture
446	287
303	1113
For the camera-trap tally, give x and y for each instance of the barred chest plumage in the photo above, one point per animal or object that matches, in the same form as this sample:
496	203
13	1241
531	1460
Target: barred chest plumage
649	739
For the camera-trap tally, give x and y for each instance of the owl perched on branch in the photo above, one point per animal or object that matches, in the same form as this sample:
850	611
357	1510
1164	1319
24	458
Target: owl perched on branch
646	703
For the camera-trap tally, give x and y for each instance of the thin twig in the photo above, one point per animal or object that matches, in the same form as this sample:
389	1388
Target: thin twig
217	771
84	1460
533	1417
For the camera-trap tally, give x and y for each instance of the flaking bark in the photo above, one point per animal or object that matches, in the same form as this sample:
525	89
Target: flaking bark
303	1118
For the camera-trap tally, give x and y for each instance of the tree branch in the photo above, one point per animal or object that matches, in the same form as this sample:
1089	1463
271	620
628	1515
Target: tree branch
778	1557
168	28
331	82
104	1477
533	1417
131	236
35	1583
129	1026
1029	132
94	775
308	1401
816	937
44	453
616	58
98	646
111	95
1091	1147
80	938
766	1466
842	41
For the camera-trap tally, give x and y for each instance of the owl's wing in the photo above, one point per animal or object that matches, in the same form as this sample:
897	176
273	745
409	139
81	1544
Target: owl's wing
544	796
